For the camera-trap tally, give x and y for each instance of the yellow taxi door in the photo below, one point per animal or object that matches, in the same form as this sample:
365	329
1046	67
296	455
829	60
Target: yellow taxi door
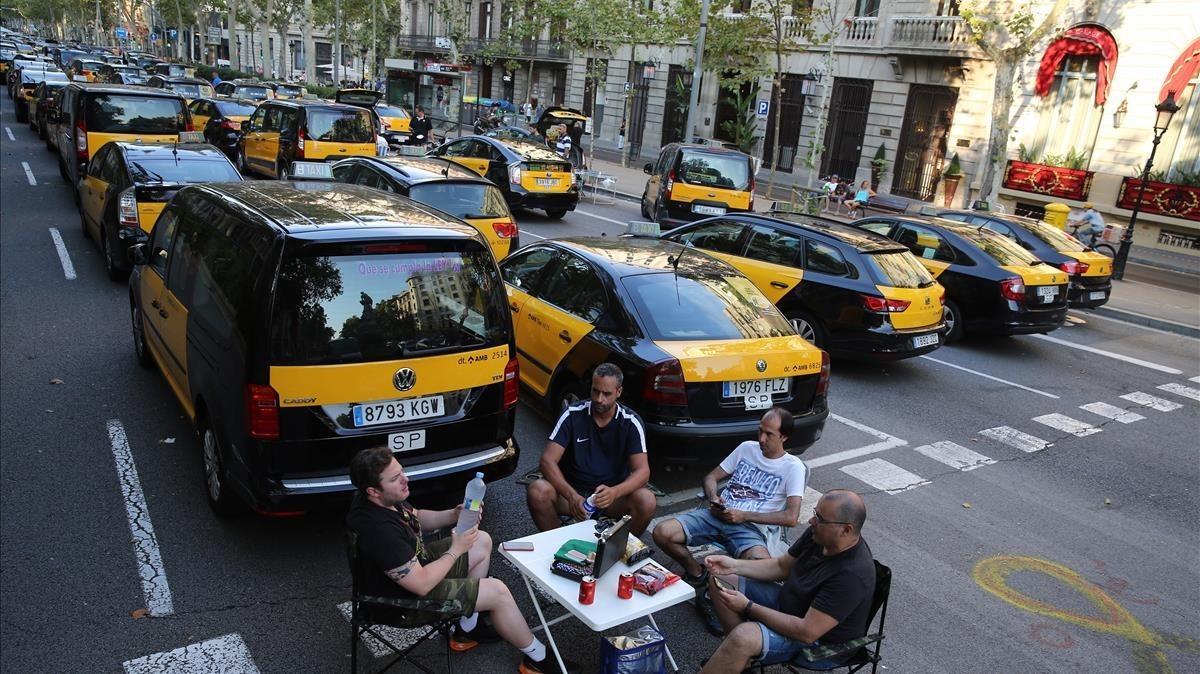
152	285
252	136
167	312
200	114
93	187
559	316
518	301
460	152
772	261
268	140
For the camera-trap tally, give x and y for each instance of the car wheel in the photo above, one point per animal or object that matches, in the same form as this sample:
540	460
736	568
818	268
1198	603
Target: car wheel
140	350
645	211
241	162
952	316
116	270
809	328
221	498
570	393
556	213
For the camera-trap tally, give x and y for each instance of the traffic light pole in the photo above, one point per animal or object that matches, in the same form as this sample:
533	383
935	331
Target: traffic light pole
689	130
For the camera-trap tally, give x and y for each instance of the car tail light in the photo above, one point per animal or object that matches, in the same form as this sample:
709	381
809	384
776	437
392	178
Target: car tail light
262	412
1074	267
81	144
670	183
512	384
514	173
942	297
664	384
230	125
883	305
750	188
1013	289
505	230
301	136
127	209
823	379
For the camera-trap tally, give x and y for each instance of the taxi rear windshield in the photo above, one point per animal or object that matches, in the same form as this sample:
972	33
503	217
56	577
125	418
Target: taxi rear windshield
234	109
898	270
729	172
122	113
361	307
462	200
255	93
390	111
166	170
192	90
1056	238
288	91
341	126
1000	248
678	308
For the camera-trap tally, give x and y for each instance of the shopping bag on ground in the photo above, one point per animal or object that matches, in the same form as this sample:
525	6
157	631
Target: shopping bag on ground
640	652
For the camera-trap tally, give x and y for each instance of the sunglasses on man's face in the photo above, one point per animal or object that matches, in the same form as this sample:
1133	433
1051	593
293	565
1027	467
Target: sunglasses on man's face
822	520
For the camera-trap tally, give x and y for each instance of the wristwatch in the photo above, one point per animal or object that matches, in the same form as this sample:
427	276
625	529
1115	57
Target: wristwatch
746	611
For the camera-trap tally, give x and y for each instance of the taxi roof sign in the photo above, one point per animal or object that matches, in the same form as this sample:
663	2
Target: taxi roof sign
191	136
646	229
311	170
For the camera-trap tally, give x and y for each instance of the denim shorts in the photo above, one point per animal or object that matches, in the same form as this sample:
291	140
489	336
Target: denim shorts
702	527
776	647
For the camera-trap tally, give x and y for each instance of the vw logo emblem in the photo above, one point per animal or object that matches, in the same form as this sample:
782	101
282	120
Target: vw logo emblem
404	379
928	301
761	365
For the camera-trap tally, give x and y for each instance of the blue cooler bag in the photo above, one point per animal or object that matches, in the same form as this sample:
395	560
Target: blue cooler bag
640	652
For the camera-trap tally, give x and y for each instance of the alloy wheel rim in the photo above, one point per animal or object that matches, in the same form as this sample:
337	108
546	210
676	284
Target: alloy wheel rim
805	330
948	317
212	475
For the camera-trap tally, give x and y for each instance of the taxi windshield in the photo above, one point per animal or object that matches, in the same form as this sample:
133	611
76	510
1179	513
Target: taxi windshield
726	171
285	90
168	170
121	113
255	93
462	200
235	109
391	111
999	248
898	270
708	306
1056	238
341	126
189	90
372	307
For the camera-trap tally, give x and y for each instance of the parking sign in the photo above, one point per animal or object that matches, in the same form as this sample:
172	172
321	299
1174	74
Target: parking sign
764	107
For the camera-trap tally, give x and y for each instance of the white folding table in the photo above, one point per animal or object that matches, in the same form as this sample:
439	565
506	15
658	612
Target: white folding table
608	610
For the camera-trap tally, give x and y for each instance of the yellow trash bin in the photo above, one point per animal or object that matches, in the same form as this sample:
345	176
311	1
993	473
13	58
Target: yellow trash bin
1056	214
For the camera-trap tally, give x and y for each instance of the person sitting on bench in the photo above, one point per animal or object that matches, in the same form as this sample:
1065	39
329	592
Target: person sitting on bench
861	197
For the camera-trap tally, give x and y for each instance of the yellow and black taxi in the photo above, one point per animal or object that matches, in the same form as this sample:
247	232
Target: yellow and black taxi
116	73
25	100
993	286
691	182
300	322
92	115
166	69
530	175
556	114
703	350
252	89
847	291
87	68
286	89
283	131
395	122
443	185
127	185
190	88
44	100
1090	272
220	119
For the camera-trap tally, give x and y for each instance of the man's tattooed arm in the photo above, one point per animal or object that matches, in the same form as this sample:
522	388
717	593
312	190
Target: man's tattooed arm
400	572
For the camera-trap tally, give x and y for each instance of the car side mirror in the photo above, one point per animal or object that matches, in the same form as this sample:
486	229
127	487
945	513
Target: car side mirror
648	169
137	254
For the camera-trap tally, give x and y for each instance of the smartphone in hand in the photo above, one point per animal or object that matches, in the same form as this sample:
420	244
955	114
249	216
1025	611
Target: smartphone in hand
724	584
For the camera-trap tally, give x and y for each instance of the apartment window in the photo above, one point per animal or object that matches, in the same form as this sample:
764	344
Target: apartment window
485	20
741	6
1070	117
947	8
866	8
1182	140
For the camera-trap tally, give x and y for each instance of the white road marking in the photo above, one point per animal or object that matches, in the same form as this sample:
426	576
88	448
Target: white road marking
886	442
28	173
1064	423
1153	402
145	544
223	654
1112	412
63	256
1195	379
884	476
1181	390
601	217
954	455
988	376
811	496
536	236
1014	438
1139	327
401	638
9	132
1109	354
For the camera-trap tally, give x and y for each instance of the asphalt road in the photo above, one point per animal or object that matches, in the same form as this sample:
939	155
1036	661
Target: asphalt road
1072	545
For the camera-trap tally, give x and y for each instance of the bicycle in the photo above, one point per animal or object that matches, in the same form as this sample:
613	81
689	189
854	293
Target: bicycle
1098	245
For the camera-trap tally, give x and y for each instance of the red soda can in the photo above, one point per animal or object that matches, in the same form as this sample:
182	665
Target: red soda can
587	590
625	586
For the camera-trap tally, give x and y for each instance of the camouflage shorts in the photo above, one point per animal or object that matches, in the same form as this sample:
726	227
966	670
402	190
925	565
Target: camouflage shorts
456	585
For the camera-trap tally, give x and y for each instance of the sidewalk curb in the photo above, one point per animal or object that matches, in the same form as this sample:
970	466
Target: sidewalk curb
1146	321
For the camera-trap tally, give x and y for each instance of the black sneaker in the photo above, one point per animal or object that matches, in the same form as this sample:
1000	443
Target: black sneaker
547	666
699	582
484	633
708	615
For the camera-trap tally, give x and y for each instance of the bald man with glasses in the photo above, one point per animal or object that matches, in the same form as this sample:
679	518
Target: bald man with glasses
828	579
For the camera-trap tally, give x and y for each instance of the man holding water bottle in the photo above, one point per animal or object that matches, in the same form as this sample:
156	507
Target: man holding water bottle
597	449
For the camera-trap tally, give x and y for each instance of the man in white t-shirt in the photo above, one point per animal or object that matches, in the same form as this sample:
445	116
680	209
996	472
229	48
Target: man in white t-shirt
766	485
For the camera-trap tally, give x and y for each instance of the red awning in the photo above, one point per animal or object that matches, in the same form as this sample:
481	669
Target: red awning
1080	41
1181	72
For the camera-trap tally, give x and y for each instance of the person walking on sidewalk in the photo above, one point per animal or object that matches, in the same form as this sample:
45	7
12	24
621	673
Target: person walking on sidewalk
764	495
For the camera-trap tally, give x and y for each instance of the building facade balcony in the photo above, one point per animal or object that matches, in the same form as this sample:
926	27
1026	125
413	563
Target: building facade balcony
538	50
945	36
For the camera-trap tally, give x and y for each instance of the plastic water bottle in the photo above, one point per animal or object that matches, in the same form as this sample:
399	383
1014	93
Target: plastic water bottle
472	504
589	506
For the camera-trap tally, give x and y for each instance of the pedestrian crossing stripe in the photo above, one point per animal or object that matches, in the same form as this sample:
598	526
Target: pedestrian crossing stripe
1014	438
222	654
1066	424
399	637
1112	412
954	455
884	476
1153	402
1181	390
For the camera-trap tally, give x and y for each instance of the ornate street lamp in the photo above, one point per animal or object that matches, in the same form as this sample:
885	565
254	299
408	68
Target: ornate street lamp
1166	110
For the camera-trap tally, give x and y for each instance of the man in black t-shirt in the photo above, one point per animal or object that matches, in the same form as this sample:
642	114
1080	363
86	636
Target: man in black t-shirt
597	448
828	583
396	562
